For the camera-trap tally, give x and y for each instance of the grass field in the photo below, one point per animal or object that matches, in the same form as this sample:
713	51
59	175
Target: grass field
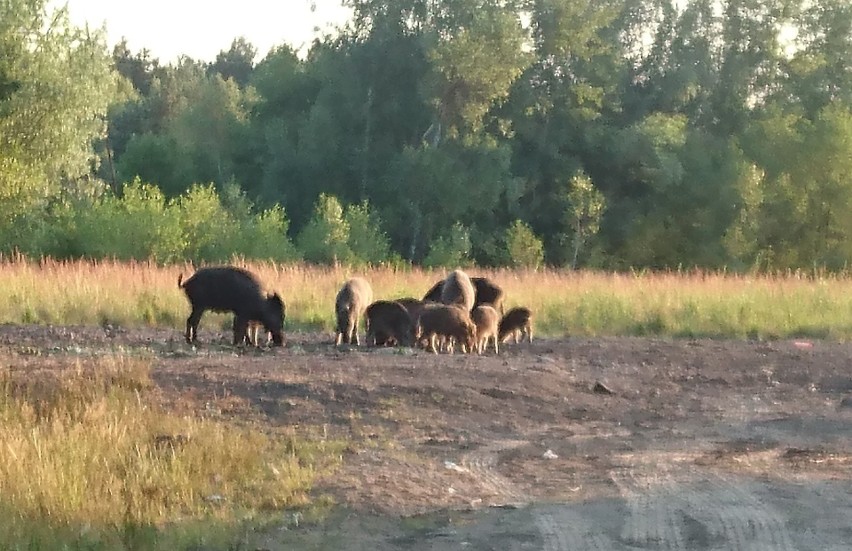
91	461
564	302
89	452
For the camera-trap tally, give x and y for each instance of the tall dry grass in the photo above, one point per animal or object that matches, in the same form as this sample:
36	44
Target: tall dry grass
90	461
565	302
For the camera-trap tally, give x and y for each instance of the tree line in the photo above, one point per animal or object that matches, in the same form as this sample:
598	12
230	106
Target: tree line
610	134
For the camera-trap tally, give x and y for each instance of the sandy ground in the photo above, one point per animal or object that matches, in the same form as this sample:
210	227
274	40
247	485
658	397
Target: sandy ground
561	444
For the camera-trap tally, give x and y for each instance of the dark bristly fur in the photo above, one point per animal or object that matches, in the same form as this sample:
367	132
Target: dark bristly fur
434	293
388	323
488	292
412	305
232	289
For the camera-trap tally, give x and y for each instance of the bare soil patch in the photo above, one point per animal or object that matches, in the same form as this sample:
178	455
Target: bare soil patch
611	443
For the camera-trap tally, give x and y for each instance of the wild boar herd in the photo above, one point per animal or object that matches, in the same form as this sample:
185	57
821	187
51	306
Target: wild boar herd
457	311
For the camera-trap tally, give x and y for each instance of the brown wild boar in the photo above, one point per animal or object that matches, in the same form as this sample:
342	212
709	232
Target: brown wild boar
485	292
412	305
352	299
448	321
487	321
434	293
388	323
516	321
232	289
253	333
458	289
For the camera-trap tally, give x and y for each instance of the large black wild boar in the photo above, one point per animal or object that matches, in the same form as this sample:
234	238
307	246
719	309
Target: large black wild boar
389	323
232	289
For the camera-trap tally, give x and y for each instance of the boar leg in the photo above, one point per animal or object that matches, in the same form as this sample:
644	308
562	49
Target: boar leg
240	327
355	336
192	325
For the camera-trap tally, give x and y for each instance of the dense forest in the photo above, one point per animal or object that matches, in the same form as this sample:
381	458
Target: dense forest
607	134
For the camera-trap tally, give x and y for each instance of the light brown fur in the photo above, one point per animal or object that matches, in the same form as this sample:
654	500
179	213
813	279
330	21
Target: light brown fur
352	299
487	321
450	322
458	289
516	321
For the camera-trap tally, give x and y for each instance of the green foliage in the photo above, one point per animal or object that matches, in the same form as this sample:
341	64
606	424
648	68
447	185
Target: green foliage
368	243
142	224
525	249
805	189
48	119
137	225
450	250
264	236
586	207
156	159
325	239
351	235
476	60
717	134
236	63
434	188
209	229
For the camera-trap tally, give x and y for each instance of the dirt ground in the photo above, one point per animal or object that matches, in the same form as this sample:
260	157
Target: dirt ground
558	444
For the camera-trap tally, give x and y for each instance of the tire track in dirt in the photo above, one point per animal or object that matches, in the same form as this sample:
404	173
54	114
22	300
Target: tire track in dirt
564	530
561	528
677	511
557	531
654	519
481	464
733	513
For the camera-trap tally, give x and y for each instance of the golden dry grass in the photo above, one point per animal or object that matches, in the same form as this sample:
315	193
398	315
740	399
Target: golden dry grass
89	456
565	302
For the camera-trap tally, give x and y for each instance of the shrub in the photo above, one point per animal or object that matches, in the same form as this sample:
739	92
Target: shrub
209	230
137	225
368	243
525	249
264	237
450	250
325	238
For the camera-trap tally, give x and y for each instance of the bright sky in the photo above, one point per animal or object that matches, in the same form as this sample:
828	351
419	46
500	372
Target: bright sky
203	28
